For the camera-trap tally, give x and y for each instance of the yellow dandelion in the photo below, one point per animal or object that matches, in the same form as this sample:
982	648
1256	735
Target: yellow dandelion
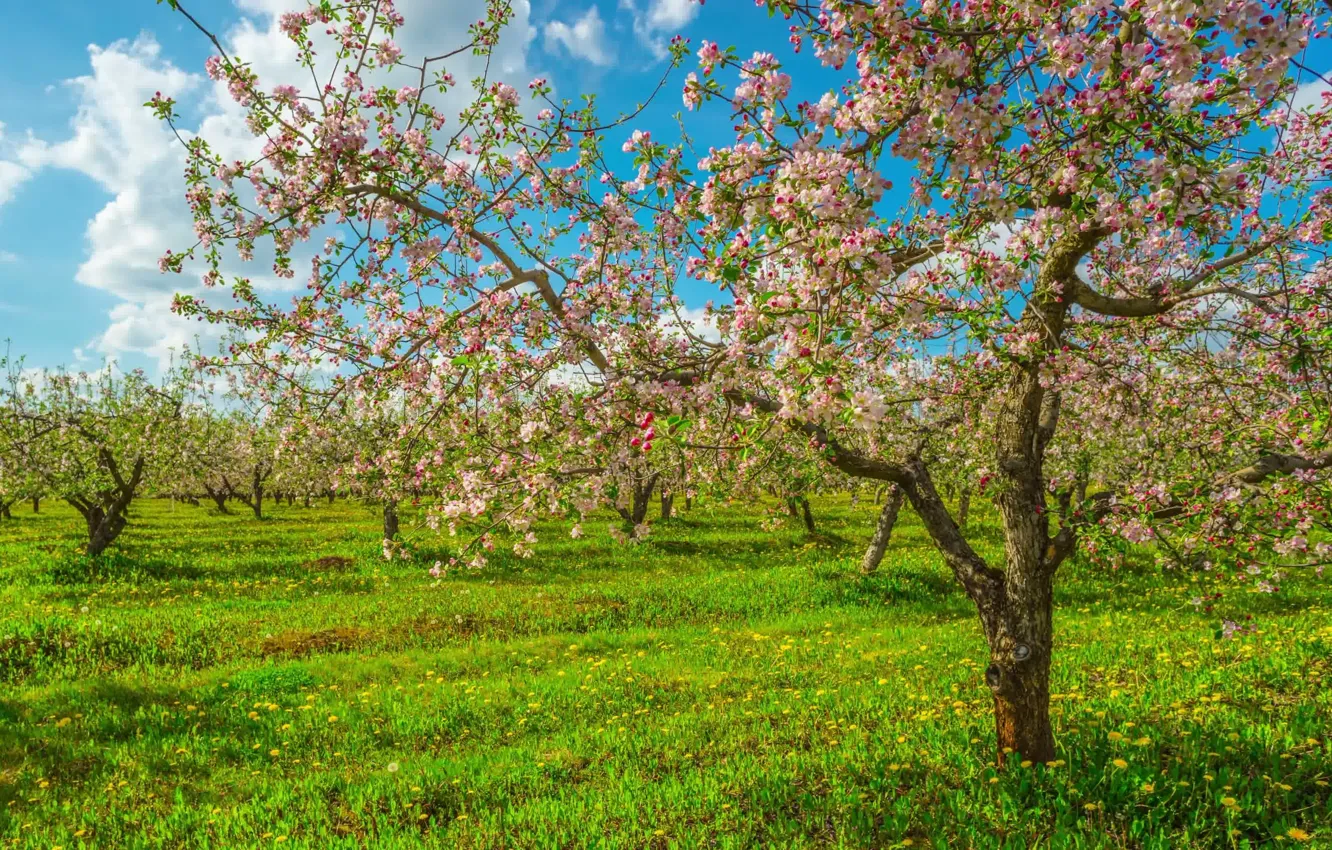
1120	763
1298	834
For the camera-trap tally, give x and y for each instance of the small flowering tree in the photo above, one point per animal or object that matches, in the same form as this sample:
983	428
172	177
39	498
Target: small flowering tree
97	440
1095	198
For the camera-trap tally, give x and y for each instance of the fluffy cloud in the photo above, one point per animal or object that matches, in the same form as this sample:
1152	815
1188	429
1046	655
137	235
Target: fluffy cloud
584	39
12	174
115	141
1310	94
657	21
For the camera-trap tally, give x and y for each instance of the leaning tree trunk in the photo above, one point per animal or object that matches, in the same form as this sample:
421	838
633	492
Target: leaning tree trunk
390	519
883	531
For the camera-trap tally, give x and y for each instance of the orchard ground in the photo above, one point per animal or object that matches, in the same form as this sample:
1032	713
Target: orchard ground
227	682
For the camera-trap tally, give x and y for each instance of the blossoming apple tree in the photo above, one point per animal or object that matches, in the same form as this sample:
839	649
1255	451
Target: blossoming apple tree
1006	219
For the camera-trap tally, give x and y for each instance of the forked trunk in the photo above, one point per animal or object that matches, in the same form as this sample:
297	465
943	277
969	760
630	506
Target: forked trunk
390	519
103	529
883	531
639	501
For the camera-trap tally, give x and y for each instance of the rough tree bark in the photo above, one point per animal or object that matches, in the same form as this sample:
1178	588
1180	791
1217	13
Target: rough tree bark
638	506
390	519
104	514
883	530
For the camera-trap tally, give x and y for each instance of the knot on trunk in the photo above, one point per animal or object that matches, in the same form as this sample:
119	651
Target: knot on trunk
1002	678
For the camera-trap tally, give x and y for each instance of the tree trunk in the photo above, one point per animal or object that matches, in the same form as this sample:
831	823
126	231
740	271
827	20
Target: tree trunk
291	499
883	531
4	511
307	500
809	517
1019	677
667	502
103	529
219	498
640	499
963	507
332	494
36	504
689	501
257	494
390	519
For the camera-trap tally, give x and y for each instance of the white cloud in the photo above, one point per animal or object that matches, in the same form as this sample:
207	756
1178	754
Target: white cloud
8	257
656	23
115	141
1310	94
671	14
12	174
584	39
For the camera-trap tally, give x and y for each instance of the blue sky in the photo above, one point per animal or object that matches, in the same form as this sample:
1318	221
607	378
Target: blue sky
90	186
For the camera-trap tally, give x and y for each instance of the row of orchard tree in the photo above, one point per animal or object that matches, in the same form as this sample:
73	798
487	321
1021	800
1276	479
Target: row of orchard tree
100	440
1073	254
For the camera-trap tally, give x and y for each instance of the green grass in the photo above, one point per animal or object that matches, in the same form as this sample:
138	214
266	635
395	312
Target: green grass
718	686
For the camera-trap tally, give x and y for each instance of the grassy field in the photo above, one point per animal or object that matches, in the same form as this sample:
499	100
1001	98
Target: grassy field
225	682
